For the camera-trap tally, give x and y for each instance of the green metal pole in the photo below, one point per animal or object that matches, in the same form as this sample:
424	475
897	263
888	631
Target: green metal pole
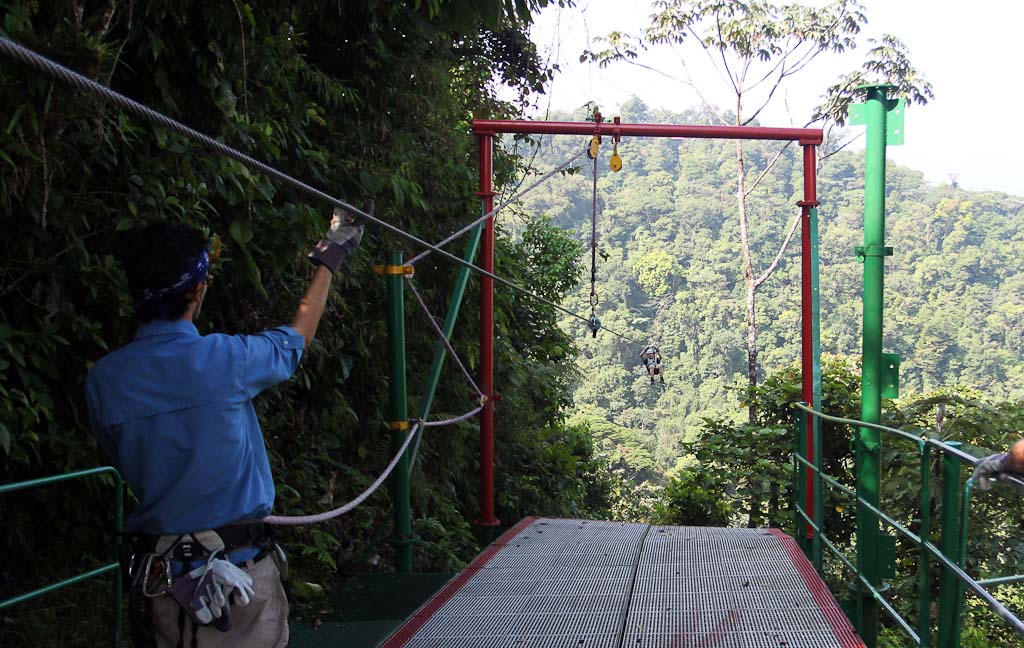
819	496
399	417
816	322
924	593
799	481
949	544
118	535
869	441
961	561
440	350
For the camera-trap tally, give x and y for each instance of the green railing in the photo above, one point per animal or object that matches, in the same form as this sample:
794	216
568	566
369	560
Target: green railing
110	568
951	554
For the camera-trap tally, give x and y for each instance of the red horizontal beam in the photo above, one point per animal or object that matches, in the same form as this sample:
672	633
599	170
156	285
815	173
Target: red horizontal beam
806	136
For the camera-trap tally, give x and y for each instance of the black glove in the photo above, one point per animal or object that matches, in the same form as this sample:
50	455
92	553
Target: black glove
343	237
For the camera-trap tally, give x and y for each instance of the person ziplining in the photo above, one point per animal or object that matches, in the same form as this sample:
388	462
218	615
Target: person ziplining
651	357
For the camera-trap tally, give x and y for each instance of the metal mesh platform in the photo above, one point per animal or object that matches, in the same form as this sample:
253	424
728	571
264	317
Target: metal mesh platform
588	584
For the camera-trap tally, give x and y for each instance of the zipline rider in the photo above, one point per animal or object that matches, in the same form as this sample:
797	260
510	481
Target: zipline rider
651	357
174	410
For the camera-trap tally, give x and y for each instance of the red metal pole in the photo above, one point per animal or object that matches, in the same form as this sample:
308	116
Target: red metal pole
809	202
486	194
802	135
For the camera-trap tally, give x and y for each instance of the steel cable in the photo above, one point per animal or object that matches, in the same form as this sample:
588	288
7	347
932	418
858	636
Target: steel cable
30	59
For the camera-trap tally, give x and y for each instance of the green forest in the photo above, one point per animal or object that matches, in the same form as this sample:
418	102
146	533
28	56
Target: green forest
369	99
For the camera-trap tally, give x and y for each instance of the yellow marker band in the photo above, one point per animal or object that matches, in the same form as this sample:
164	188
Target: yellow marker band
398	425
406	270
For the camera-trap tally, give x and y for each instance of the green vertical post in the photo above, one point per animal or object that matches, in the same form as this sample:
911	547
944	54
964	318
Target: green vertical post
799	480
118	535
815	320
868	447
819	495
949	544
961	561
399	423
819	492
924	593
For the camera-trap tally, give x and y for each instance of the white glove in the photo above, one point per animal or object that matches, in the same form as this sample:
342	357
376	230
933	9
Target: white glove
208	601
233	580
987	471
344	230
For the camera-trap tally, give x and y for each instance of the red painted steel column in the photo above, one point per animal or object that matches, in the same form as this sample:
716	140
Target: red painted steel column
486	194
809	202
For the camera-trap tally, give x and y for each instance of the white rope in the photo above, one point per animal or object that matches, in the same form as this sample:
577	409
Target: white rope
296	520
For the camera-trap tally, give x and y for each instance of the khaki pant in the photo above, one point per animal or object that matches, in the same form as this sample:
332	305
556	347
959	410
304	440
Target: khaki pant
263	623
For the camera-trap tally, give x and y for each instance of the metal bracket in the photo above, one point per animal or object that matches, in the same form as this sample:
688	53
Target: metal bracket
406	270
864	251
896	108
886	557
890	375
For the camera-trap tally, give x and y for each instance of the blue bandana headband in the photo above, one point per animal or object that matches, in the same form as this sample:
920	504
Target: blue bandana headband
186	281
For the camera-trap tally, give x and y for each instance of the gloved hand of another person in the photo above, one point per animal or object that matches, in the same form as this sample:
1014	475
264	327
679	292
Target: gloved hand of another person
988	469
343	236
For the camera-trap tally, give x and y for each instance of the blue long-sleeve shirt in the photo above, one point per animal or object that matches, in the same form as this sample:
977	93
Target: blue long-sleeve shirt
175	409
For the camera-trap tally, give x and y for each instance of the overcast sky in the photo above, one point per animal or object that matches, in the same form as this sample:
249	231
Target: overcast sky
970	51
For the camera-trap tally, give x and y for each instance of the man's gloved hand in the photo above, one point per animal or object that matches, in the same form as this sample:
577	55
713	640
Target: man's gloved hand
343	236
233	580
987	471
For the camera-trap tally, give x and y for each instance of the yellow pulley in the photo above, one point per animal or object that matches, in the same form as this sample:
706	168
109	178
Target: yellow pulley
615	164
595	146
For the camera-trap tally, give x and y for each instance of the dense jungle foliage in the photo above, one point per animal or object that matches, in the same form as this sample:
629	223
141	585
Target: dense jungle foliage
371	99
669	272
364	99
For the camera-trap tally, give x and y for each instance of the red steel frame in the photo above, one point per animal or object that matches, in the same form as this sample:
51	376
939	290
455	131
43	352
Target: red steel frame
486	130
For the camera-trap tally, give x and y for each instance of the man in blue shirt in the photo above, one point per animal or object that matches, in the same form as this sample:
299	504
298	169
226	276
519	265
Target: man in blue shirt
174	409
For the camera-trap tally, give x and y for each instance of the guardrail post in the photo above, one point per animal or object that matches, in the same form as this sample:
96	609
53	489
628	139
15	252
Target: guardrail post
800	527
819	496
924	593
118	580
949	543
399	423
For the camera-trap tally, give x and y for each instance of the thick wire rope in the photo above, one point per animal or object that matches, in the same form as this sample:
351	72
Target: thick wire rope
30	59
296	520
494	211
442	336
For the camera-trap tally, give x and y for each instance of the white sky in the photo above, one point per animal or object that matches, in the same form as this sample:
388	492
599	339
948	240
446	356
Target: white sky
971	53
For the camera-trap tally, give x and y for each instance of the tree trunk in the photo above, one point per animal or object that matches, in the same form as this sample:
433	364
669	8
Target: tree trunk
748	278
757	485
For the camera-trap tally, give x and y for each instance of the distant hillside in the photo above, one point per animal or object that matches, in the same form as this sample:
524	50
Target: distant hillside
670	271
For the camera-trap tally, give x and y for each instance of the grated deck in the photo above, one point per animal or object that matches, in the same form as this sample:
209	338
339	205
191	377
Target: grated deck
588	584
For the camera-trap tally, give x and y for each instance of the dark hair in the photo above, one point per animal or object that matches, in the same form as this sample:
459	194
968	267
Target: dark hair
154	257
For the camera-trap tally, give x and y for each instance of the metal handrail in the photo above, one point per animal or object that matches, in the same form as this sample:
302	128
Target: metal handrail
928	549
113	567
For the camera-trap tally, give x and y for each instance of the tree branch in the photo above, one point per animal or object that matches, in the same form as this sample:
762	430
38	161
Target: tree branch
768	168
782	250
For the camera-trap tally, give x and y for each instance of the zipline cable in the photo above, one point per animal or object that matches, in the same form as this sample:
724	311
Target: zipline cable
30	59
494	211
